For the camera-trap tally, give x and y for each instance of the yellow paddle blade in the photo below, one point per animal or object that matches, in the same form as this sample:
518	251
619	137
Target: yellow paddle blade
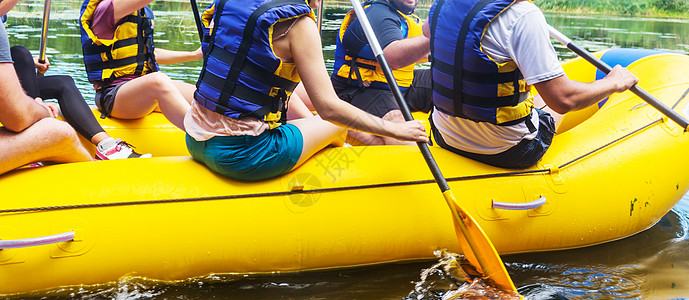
477	249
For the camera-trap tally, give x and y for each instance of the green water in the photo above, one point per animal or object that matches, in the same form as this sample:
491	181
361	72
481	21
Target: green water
175	30
651	265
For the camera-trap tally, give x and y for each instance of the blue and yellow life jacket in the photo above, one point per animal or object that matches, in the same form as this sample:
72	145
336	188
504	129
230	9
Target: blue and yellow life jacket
364	62
241	76
129	52
467	83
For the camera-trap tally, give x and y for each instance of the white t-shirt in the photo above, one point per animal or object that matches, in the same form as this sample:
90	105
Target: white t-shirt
519	34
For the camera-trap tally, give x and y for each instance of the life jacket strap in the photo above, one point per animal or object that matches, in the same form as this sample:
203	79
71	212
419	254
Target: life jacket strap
243	51
459	56
252	69
267	103
143	40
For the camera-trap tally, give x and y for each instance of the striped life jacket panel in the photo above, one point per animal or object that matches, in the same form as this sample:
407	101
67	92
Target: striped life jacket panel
352	66
467	83
130	52
241	76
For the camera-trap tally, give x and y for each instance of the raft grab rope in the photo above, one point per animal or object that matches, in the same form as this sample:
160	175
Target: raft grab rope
345	188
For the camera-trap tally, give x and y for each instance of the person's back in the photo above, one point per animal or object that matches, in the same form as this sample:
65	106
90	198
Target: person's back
355	64
258	52
359	79
484	66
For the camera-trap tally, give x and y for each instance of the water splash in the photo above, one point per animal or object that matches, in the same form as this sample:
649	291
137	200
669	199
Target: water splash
453	278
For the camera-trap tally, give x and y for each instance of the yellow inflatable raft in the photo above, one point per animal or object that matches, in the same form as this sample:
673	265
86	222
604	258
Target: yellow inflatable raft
611	172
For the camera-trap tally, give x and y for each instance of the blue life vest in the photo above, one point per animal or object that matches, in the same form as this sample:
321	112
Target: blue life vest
466	82
130	52
3	18
363	65
241	76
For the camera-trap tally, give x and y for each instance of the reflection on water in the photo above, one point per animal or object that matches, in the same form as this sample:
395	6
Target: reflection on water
596	32
651	265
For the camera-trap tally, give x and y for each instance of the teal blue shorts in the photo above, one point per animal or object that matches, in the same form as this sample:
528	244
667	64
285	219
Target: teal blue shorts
250	158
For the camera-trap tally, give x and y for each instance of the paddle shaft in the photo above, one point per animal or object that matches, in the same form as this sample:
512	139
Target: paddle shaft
605	68
320	17
460	217
197	19
44	32
397	93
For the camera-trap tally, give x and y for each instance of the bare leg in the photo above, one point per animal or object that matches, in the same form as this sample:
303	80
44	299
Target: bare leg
397	117
139	97
304	96
187	90
297	109
99	137
364	138
372	140
317	135
46	140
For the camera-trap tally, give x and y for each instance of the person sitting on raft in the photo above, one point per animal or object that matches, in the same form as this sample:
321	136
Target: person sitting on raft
72	104
257	53
29	131
122	63
484	109
359	79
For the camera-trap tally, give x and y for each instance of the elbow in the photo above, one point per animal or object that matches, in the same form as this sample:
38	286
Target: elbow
561	108
400	62
394	65
17	126
561	104
328	115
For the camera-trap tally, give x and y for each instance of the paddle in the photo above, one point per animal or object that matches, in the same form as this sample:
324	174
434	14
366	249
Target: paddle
44	33
605	68
197	19
476	246
320	17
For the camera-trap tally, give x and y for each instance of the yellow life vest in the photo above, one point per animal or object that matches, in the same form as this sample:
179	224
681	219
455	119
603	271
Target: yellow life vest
368	68
129	52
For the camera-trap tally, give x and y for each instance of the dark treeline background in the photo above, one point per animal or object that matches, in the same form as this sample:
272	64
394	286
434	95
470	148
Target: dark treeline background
678	8
625	7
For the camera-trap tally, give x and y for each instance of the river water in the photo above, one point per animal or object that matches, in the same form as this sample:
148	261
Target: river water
653	264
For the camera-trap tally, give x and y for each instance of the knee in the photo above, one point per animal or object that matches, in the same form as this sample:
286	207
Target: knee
21	54
60	132
65	84
394	116
65	80
158	81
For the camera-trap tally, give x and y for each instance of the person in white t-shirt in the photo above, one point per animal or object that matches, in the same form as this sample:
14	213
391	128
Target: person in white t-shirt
481	52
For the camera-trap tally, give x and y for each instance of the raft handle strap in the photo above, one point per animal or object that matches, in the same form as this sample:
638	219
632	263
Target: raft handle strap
519	206
43	240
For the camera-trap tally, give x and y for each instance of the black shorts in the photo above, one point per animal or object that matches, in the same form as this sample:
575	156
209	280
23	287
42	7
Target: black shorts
524	154
380	102
105	99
